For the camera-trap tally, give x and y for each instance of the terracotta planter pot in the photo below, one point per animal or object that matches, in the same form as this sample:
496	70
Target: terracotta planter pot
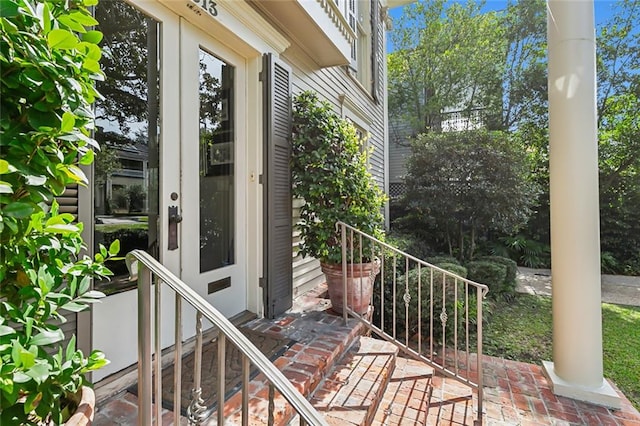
86	409
359	285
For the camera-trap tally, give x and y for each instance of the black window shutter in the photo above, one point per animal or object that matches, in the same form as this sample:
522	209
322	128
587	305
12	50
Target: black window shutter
278	227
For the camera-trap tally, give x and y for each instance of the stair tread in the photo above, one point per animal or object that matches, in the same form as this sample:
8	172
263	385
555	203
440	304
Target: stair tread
408	394
351	392
304	365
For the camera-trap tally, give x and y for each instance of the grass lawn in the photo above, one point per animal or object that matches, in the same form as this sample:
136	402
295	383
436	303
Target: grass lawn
521	330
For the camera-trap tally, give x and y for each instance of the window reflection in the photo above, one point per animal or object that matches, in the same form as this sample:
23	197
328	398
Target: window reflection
126	169
216	163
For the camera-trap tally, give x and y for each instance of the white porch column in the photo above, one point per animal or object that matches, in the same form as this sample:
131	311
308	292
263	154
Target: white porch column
576	370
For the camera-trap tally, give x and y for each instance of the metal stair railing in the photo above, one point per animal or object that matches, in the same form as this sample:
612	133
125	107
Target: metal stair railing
429	313
150	272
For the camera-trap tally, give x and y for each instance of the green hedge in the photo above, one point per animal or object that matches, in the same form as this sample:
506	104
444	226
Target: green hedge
435	260
512	270
491	274
405	318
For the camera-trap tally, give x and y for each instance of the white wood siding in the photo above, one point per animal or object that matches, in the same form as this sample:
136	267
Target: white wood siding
333	84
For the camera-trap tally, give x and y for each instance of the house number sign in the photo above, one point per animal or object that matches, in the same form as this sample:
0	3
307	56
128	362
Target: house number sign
209	6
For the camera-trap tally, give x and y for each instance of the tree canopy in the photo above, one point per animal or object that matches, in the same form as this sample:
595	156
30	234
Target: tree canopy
453	57
469	182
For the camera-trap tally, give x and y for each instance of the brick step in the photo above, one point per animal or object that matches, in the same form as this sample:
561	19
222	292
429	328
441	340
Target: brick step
351	393
305	364
414	395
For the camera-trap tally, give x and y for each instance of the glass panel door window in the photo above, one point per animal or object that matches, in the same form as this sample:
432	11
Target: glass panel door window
126	170
216	178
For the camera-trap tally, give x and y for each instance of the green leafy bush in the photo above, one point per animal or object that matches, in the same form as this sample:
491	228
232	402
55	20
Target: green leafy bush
329	171
468	183
49	60
511	273
491	274
450	260
129	239
119	199
413	314
410	244
524	251
137	196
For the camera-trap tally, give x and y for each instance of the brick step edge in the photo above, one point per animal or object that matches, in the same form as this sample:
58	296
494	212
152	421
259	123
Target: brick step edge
351	393
305	366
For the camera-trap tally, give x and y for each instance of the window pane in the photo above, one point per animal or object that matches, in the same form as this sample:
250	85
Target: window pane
216	163
127	167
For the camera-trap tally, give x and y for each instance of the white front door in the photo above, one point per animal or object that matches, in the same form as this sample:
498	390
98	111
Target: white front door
173	128
213	193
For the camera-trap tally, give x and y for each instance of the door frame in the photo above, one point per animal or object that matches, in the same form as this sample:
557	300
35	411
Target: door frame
244	33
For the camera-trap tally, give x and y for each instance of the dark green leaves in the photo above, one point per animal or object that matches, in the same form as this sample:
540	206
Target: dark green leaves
18	210
50	62
330	173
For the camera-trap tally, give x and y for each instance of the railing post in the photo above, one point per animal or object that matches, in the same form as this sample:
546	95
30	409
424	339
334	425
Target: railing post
177	363
343	233
157	383
145	416
479	295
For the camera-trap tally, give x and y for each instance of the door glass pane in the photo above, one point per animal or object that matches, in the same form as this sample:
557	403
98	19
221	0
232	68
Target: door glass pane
216	163
127	127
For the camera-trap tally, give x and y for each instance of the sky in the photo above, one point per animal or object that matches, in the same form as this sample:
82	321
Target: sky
602	8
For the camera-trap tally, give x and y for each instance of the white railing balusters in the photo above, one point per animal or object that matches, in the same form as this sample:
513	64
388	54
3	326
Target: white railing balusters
196	412
222	373
246	371
177	361
272	392
145	360
158	351
419	308
451	300
147	270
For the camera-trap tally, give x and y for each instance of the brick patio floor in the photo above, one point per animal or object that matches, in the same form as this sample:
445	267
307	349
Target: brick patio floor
515	393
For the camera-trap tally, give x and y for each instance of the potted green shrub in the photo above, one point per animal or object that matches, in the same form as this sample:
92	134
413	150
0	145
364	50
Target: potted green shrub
49	60
330	173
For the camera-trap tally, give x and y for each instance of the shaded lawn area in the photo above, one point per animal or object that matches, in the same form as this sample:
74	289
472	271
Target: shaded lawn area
522	330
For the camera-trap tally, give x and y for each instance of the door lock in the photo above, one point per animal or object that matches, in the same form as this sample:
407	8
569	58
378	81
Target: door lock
174	219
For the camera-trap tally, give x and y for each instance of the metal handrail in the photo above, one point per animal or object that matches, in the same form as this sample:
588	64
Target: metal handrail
354	259
148	266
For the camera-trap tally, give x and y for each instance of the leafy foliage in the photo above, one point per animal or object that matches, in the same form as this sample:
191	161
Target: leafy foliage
525	251
509	284
489	273
426	66
329	171
445	59
468	182
421	296
524	78
49	59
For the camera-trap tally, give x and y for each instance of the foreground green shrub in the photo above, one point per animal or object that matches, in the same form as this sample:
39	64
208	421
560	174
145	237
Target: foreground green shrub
49	61
437	260
413	314
511	273
329	172
410	244
491	274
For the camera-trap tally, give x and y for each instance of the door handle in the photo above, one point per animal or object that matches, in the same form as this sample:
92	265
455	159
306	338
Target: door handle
174	219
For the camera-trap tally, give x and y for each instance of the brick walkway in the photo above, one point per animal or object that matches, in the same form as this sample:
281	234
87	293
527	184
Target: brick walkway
515	393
